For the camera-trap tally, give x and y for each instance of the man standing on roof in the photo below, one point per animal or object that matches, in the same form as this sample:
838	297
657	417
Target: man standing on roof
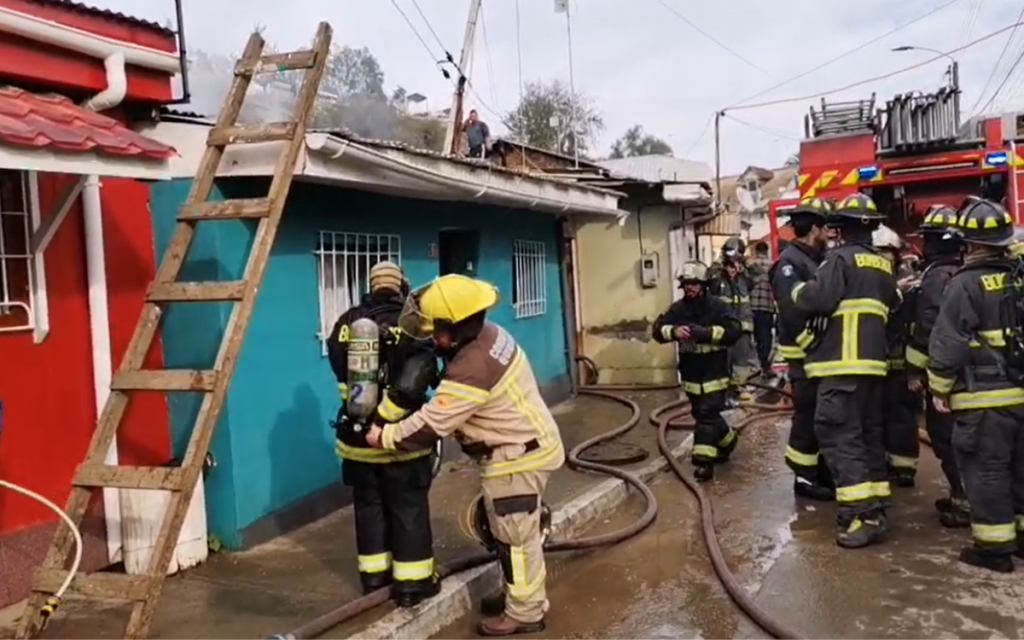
477	135
489	399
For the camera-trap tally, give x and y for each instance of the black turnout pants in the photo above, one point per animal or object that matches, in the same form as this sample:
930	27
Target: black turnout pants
802	452
713	437
848	422
900	420
392	510
940	432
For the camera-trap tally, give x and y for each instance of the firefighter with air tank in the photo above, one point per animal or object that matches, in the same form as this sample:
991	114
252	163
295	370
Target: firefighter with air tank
383	375
850	297
703	327
729	281
942	246
975	372
797	263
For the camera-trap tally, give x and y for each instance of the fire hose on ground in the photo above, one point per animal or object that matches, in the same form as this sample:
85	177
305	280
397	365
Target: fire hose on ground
673	415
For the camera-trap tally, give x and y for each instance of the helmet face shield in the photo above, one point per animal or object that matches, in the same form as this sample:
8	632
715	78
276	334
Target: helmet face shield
412	321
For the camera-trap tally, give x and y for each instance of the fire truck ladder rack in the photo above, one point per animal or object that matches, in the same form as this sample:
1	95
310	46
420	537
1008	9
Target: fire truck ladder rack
920	123
840	118
144	590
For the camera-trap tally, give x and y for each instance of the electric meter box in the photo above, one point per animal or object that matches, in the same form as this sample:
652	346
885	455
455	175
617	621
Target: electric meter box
649	270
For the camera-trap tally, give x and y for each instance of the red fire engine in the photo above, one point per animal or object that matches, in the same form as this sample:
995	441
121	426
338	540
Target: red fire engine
908	155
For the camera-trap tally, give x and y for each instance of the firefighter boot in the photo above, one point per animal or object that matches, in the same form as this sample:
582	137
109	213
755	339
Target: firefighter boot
954	512
902	476
727	445
492	606
505	626
703	471
804	488
410	594
373	581
998	562
860	532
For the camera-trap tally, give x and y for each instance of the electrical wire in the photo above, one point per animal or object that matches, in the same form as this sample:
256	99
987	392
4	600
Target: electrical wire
999	61
76	561
700	136
849	53
762	129
519	53
710	37
967	26
423	42
430	27
1002	84
487	59
883	76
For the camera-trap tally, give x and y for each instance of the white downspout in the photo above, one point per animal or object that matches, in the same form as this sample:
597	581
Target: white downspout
99	309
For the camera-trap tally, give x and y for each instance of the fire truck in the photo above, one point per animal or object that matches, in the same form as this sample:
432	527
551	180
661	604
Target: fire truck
907	155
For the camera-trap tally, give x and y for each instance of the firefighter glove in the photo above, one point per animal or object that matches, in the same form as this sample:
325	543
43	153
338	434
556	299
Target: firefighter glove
351	433
699	334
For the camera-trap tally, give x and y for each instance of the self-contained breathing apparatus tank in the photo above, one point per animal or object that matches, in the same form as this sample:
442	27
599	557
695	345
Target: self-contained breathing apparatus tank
1012	312
363	369
481	526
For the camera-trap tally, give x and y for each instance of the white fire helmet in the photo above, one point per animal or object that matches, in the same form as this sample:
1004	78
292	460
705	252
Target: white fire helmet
885	238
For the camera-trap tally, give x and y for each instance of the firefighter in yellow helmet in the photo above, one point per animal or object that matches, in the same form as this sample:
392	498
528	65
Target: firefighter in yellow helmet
850	296
382	376
971	375
489	400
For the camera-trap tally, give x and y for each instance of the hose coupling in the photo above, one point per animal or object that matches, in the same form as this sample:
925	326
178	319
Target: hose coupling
48	609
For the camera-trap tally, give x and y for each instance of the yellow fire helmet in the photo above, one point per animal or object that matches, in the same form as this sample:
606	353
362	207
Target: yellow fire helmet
449	299
1017	248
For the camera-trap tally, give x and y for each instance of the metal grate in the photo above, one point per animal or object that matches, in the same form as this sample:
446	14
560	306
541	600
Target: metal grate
343	269
529	278
16	273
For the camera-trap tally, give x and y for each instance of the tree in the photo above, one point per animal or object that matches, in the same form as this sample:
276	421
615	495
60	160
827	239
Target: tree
637	142
792	161
545	117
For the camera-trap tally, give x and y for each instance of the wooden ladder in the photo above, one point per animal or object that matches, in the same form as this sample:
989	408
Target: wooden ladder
144	590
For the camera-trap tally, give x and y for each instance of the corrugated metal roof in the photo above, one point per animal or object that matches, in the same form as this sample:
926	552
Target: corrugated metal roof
56	123
726	224
659	168
113	16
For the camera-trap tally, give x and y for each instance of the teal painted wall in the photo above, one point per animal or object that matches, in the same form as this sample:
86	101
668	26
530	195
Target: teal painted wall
273	445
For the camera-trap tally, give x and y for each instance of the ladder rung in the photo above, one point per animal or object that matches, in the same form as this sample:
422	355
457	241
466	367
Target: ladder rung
106	586
195	291
277	62
240	208
122	477
251	133
164	380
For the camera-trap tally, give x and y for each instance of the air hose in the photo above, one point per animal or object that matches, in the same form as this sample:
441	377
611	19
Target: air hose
671	415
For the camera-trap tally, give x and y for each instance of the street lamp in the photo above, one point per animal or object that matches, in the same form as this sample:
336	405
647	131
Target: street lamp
952	72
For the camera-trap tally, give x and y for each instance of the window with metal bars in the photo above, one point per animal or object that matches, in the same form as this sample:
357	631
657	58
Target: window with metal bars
17	299
343	271
529	278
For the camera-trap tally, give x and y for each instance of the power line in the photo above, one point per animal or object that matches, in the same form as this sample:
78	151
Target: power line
700	136
771	132
487	59
884	76
519	53
1005	80
849	53
423	16
710	37
423	42
995	67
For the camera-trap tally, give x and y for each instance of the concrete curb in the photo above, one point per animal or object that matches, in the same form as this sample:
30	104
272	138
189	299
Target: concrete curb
460	593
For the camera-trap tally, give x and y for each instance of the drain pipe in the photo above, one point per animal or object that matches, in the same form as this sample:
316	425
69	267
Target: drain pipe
99	310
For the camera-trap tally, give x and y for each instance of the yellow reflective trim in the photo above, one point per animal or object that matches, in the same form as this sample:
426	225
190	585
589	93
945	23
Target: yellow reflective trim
881	489
791	353
374	563
851	178
376	456
728	439
521	586
710	386
343	391
993	399
707	348
992	337
862	305
794	293
746	326
532	461
902	462
805	338
1019	519
390	411
916	358
667	331
462	391
994	533
801	459
897	364
705	450
717	333
855	493
850	368
409	571
939	385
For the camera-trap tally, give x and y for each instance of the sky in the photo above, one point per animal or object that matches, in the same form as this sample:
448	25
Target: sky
667	65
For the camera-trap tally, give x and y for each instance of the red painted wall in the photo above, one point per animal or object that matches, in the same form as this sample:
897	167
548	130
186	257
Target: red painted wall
47	388
42	65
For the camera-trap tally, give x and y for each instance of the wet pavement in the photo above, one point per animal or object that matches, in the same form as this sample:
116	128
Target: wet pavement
661	585
279	585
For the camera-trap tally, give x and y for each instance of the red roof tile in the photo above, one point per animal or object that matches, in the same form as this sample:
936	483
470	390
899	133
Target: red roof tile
56	123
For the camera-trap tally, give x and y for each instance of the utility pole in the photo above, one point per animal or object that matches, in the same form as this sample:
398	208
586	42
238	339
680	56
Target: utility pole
573	125
465	60
718	160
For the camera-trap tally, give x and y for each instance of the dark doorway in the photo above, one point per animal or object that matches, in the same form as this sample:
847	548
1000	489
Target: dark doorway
458	251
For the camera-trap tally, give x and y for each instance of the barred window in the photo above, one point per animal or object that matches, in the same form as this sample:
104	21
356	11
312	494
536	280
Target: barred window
343	271
17	286
529	278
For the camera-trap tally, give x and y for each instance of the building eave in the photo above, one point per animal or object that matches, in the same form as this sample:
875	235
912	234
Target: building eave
25	159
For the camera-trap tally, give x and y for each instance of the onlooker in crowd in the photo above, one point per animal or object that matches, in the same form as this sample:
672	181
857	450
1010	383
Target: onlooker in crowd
762	303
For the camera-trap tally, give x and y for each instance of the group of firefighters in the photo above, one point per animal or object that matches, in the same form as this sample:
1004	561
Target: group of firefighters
866	350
